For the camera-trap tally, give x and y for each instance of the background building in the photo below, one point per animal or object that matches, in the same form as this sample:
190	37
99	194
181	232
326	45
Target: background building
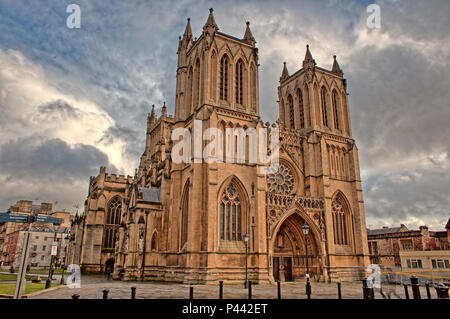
10	233
387	244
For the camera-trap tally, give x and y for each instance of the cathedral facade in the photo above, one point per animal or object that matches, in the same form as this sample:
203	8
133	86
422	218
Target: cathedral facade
201	222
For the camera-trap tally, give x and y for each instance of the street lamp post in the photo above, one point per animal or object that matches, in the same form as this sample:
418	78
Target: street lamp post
64	263
305	230
246	239
49	278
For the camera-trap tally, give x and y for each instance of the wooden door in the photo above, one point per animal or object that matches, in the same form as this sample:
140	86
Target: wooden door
287	268
276	268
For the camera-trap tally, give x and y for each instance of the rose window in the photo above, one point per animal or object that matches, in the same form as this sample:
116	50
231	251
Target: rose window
282	181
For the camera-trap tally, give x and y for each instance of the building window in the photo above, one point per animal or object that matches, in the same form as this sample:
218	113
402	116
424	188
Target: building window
324	107
335	111
406	244
340	223
291	111
239	82
224	78
184	214
440	263
112	223
414	263
231	214
44	247
34	247
42	257
301	108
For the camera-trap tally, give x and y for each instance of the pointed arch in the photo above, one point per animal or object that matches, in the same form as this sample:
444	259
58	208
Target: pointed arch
189	92
323	100
336	110
232	210
342	219
253	88
282	113
196	88
112	222
213	76
239	87
291	112
184	214
301	108
307	106
224	77
154	241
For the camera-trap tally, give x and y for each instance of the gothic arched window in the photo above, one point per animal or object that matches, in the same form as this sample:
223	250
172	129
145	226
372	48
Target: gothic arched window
253	86
224	78
213	74
340	222
112	222
184	214
324	107
153	242
239	82
231	214
335	110
301	108
291	111
196	92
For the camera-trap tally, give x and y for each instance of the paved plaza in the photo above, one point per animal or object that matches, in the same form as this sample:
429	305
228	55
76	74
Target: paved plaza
92	287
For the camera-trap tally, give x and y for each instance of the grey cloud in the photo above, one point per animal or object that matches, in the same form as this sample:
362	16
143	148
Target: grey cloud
34	159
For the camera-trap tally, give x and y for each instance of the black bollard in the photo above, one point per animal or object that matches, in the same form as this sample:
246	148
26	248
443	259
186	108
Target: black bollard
279	289
221	289
406	291
133	292
249	289
339	290
366	290
105	294
75	296
191	292
415	287
427	286
308	288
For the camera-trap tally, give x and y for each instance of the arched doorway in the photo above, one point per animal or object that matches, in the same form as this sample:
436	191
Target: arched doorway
109	266
289	253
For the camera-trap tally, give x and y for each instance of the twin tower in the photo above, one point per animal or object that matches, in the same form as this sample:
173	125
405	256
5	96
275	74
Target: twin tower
203	222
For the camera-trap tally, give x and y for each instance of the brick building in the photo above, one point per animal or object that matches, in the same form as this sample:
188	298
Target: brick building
385	244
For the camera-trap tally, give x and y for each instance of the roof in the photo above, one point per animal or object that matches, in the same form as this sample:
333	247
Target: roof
150	194
447	226
383	231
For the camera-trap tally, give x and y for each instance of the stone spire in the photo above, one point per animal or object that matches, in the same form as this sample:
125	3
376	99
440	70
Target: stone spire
285	73
336	68
308	57
248	36
187	36
210	25
164	110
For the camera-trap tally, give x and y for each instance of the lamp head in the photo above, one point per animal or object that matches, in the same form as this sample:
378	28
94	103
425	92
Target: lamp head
305	229
246	237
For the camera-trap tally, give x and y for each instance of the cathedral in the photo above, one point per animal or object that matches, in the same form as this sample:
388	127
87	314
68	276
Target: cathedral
201	222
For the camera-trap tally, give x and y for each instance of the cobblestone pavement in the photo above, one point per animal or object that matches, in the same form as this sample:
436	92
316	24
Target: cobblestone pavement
92	287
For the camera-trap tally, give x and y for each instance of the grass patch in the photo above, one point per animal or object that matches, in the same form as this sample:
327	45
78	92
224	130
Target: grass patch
45	271
12	277
8	289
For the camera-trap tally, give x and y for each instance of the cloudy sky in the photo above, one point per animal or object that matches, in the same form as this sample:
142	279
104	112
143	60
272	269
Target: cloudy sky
74	99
